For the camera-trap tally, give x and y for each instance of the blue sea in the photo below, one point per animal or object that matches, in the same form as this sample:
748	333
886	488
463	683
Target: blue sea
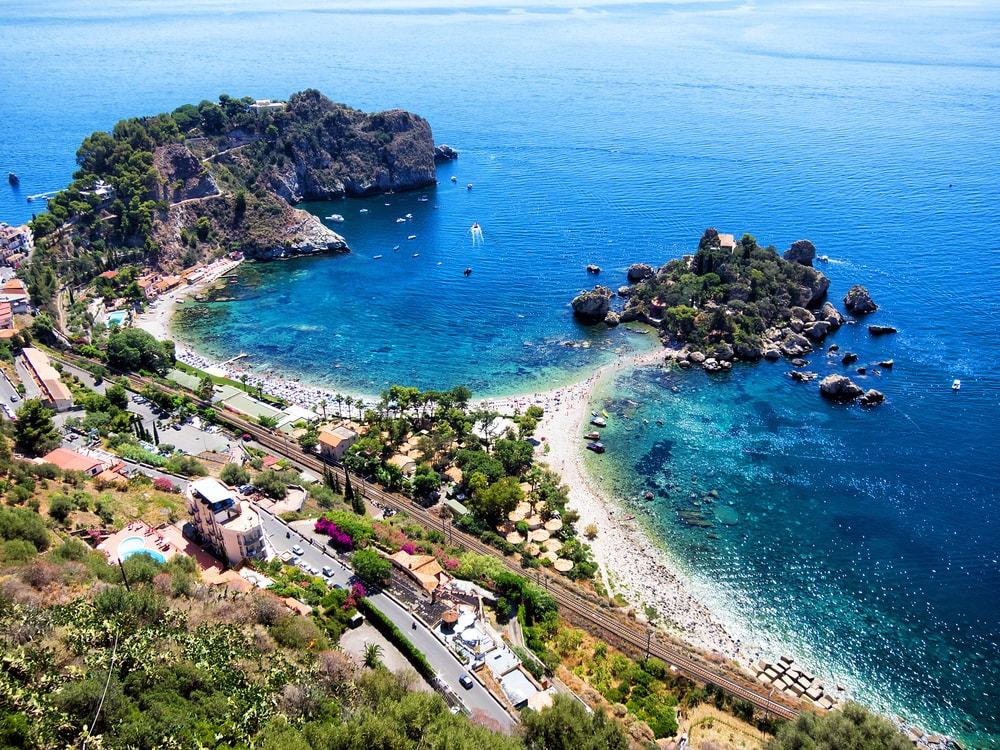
864	543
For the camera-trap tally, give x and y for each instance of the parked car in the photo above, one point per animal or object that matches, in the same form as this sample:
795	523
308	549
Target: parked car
327	571
465	681
13	398
297	549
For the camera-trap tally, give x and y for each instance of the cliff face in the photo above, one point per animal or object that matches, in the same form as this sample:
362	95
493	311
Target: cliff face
267	228
324	151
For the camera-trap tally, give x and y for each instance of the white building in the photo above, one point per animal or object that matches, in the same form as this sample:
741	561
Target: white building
229	526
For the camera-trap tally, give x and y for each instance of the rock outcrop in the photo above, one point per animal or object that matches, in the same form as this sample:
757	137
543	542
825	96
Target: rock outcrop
849	358
594	269
640	272
858	301
880	330
611	319
831	315
592	306
872	397
801	252
839	388
444	153
181	176
802	376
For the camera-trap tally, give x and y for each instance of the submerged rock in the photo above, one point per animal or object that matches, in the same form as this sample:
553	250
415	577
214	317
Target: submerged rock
849	358
802	376
839	388
858	301
886	363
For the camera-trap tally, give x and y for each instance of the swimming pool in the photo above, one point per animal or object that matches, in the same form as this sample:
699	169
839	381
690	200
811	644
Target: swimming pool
117	317
135	545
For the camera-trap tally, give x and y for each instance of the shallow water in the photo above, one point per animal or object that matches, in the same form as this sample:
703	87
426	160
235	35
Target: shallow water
865	542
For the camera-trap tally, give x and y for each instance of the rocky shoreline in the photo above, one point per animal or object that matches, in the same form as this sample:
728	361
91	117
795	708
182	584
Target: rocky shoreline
779	304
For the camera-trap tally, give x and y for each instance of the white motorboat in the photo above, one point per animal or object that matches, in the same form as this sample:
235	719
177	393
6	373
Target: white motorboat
335	217
956	384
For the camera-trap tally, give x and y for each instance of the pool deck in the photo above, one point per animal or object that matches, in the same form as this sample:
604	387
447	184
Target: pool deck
154	539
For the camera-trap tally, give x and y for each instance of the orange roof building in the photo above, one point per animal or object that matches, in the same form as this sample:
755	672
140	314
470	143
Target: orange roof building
13	286
6	315
68	460
52	390
424	569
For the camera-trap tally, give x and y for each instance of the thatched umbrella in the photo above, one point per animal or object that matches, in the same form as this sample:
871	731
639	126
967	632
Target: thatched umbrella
532	549
539	535
553	525
535	522
553	545
563	565
514	538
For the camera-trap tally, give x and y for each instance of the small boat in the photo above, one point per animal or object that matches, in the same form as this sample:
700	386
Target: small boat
423	199
454	178
823	258
409	216
395	248
13	179
956	384
376	257
416	255
335	217
468	186
412	237
400	220
597	447
598	422
362	210
468	271
595	435
605	414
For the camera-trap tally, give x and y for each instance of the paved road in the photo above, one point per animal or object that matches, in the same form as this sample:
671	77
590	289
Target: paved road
441	659
7	390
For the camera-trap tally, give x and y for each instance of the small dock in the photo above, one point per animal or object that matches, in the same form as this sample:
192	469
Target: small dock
238	357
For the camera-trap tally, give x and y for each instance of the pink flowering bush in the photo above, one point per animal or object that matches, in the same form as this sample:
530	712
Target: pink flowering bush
164	485
409	548
338	538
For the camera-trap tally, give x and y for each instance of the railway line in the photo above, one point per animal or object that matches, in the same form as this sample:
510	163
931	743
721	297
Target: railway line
573	605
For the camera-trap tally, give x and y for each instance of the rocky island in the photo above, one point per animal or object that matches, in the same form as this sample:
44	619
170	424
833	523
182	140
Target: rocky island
734	300
168	190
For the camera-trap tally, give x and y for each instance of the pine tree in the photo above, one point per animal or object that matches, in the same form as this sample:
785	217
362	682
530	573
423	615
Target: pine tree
156	435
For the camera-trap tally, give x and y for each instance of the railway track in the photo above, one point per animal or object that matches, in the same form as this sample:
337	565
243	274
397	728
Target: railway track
572	604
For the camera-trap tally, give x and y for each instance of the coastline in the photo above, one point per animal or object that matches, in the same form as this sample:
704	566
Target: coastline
630	561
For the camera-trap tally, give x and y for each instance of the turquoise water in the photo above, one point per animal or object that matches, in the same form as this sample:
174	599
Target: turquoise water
117	317
135	545
864	541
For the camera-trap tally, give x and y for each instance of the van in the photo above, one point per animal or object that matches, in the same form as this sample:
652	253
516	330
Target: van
356	619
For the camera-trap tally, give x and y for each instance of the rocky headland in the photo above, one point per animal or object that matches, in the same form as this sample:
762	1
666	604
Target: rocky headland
168	190
734	300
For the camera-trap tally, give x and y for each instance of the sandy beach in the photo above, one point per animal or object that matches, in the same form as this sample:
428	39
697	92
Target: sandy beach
631	564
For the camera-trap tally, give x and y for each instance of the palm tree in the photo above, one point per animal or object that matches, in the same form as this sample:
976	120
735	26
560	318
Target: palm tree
373	656
340	402
322	405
